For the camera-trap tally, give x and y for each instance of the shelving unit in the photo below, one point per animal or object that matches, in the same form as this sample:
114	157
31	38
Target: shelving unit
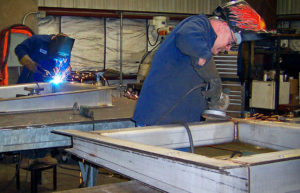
226	65
267	53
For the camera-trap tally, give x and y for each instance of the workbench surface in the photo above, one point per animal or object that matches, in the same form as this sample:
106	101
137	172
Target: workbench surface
24	131
122	108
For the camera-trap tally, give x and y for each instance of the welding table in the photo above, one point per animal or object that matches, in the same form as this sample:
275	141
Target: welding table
24	131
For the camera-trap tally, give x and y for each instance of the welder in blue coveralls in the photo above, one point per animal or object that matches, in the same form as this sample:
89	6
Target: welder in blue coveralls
42	56
171	91
39	56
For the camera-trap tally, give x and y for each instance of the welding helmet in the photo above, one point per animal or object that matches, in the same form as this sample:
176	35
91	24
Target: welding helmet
60	46
243	20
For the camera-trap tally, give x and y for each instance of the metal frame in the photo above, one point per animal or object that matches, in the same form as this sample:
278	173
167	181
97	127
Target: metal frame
144	154
36	137
53	97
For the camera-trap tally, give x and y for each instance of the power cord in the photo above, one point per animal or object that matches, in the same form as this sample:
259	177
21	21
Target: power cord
188	130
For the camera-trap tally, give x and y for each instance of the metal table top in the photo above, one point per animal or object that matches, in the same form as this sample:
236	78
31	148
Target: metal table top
122	108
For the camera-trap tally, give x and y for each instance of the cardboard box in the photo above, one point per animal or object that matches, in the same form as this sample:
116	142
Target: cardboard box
284	93
294	86
294	99
294	89
263	94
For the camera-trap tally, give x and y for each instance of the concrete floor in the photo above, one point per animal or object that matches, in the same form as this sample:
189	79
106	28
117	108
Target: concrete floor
67	177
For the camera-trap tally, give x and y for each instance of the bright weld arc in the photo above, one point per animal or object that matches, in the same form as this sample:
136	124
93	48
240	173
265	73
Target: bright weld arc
57	79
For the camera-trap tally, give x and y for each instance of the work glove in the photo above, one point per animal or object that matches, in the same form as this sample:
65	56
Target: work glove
33	66
210	75
222	104
28	63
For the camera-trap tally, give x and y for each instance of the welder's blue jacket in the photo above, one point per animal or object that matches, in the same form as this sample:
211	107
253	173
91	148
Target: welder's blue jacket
37	48
172	75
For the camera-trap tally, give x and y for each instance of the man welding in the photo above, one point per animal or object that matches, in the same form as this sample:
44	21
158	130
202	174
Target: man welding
44	57
173	91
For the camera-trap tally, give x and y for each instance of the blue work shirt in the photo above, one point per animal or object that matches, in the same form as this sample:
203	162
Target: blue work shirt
37	49
172	75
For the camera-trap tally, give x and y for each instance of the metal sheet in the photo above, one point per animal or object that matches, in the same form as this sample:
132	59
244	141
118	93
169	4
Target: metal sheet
279	136
62	96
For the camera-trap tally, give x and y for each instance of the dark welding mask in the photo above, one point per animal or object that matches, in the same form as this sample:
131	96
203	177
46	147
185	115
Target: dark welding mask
60	46
243	20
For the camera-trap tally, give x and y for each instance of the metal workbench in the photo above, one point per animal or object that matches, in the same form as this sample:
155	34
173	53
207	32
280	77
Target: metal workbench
32	130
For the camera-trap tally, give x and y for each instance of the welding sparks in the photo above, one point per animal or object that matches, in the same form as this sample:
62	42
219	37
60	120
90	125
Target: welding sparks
60	71
57	79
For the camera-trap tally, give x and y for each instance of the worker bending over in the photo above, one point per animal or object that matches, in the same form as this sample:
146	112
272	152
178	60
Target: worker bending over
172	90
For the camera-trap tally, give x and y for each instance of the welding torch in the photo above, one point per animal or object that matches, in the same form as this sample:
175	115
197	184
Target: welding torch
43	71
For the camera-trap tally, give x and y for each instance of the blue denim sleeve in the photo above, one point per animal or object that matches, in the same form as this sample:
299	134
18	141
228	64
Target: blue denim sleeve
24	48
192	39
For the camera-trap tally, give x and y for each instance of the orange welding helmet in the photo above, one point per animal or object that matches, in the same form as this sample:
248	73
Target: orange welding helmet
242	19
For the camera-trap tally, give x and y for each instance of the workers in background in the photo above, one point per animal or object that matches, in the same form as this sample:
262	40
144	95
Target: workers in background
172	90
42	56
39	56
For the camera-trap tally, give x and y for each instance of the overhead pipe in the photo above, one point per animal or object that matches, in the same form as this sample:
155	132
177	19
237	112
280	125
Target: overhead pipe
56	11
39	14
121	40
104	57
26	15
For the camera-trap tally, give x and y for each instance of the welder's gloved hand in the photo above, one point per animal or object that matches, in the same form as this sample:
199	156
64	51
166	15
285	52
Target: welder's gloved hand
222	104
210	75
28	63
214	90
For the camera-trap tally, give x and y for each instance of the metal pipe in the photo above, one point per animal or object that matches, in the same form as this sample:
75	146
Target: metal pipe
225	84
232	95
26	15
147	35
234	91
235	104
234	65
59	24
225	56
121	39
104	57
225	60
231	69
237	100
230	73
228	111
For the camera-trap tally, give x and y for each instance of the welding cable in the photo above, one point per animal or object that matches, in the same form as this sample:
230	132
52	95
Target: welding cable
188	130
146	55
234	152
179	100
156	37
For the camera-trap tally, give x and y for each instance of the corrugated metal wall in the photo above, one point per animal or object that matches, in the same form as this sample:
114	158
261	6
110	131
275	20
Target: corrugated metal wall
164	6
288	7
